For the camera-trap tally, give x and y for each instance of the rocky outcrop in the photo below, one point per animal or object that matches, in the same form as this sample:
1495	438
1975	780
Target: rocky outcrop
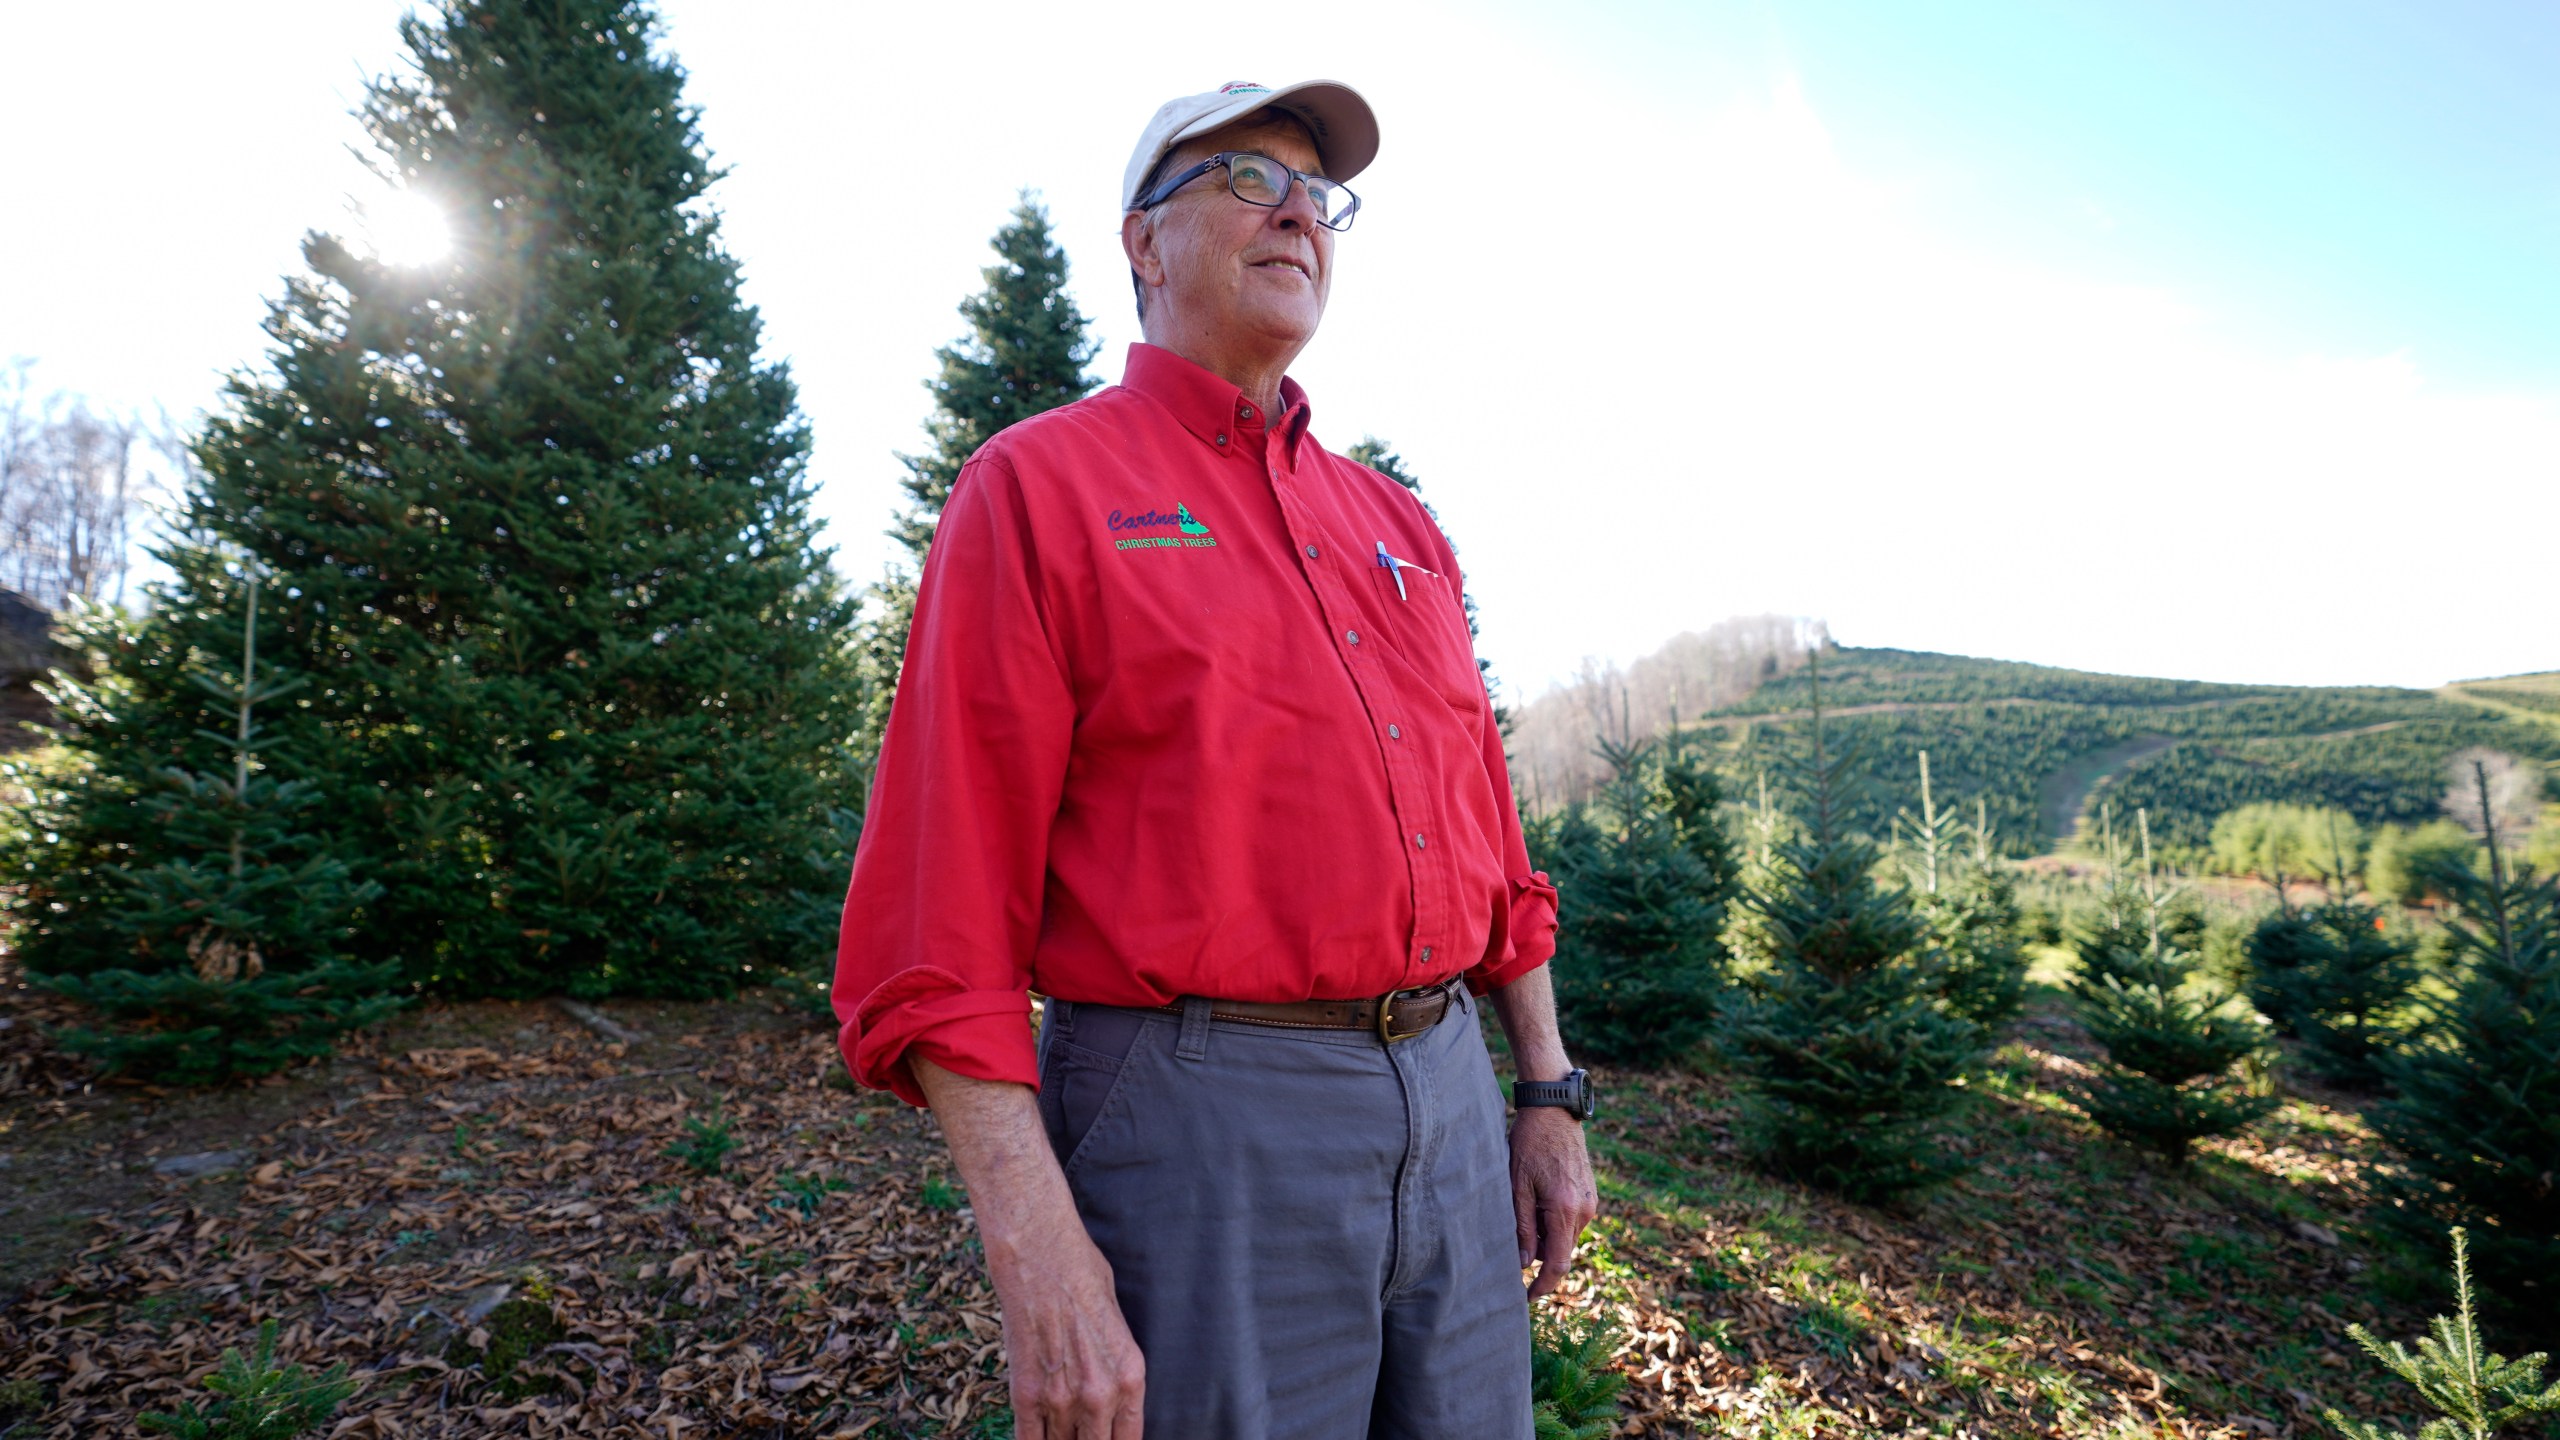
26	652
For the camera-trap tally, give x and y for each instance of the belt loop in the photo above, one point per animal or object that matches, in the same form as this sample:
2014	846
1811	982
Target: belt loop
1060	1013
1194	1044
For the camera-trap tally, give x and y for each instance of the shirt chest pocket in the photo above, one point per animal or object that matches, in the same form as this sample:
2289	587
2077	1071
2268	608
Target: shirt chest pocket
1427	626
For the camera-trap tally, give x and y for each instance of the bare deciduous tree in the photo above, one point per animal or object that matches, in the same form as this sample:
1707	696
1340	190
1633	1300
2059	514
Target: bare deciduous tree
2490	790
1554	737
73	483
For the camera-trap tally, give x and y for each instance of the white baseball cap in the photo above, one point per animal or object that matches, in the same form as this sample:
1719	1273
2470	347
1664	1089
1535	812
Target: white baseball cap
1346	130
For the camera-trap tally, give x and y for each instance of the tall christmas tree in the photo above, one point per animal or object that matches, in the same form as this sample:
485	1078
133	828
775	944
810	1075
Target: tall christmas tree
1847	1055
2477	1116
1647	872
577	689
1025	352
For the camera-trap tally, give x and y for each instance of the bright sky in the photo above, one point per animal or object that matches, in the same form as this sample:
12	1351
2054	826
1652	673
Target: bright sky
2168	337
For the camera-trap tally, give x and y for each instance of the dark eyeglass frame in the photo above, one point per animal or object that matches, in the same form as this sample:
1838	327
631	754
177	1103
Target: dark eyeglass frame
1165	188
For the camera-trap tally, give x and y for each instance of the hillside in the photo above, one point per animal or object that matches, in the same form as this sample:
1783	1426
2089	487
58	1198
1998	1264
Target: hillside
2039	746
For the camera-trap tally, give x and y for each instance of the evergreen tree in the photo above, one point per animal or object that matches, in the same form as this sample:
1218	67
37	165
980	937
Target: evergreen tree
2282	947
2344	994
2476	1394
233	935
541	542
1847	1057
2477	1116
2112	937
1971	913
1647	873
1025	352
2174	1042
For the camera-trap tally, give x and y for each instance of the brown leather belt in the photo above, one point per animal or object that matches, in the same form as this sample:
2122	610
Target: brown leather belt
1400	1015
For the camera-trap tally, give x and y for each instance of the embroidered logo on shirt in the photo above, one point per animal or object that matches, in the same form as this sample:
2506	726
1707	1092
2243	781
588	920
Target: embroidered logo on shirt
1145	530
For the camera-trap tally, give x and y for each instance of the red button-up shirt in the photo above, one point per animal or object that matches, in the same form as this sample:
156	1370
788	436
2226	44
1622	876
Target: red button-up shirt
1167	727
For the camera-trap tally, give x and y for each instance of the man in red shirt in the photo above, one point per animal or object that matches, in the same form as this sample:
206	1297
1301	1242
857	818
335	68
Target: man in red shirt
1190	740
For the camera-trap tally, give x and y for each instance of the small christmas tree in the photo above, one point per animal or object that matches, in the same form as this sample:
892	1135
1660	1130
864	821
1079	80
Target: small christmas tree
1847	1057
235	932
1971	911
2477	1395
2112	937
2282	946
1025	352
2477	1118
1640	968
2173	1042
2347	991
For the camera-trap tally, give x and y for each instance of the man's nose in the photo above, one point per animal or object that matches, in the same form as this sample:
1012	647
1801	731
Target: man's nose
1298	210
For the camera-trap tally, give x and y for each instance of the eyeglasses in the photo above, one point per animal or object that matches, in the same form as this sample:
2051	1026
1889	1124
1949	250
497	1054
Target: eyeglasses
1261	180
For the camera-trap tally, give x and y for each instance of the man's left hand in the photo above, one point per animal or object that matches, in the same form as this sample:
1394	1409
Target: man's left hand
1551	1191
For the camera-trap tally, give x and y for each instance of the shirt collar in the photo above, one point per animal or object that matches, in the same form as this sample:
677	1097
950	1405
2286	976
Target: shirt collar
1207	404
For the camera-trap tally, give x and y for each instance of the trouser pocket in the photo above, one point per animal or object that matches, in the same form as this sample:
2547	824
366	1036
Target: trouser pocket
1082	1067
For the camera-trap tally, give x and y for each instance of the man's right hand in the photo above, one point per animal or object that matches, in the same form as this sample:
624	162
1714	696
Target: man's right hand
1077	1371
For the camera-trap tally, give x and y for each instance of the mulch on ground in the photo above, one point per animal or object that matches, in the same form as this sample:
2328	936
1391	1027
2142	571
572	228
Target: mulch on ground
480	1216
495	1239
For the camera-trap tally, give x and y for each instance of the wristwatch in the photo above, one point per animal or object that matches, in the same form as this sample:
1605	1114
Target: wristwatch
1573	1093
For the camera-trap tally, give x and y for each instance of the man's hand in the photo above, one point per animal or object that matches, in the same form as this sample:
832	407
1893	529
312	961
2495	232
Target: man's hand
1552	1194
1551	1191
1077	1372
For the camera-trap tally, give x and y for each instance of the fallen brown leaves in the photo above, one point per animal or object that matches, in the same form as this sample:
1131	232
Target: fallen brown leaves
486	1226
808	1289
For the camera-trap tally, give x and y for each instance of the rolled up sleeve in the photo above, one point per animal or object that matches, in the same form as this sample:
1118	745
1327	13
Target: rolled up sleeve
934	955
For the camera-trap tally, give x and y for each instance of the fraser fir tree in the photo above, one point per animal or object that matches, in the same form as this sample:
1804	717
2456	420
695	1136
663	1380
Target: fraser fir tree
231	939
2112	937
2477	1117
1971	910
2477	1395
2351	979
1646	873
2173	1042
578	690
1025	352
1846	1056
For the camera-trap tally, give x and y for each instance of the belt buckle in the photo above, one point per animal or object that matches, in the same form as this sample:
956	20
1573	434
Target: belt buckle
1387	1033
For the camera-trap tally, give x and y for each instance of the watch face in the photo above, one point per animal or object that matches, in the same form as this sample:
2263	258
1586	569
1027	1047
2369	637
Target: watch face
1586	1102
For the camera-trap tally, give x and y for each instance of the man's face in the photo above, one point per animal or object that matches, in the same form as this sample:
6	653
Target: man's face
1245	272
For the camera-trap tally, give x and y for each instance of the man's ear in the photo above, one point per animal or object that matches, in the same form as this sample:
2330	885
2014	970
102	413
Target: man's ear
1138	242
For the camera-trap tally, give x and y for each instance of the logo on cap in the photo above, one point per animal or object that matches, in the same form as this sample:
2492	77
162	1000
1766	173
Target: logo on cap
1243	87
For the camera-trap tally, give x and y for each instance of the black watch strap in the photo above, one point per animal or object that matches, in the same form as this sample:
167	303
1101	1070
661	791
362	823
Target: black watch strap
1573	1093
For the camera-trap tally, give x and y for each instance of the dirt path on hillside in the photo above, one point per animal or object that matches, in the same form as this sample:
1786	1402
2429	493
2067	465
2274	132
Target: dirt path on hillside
2060	795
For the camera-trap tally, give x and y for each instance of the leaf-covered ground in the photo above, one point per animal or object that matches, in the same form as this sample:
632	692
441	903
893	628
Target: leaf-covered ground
480	1216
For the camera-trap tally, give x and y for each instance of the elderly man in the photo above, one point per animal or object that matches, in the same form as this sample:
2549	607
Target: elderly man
1190	740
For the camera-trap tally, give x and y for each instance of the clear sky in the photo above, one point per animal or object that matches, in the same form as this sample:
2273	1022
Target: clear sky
2176	338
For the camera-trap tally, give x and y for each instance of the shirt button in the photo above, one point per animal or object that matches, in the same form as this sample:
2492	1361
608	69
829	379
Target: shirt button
1420	843
1351	635
1244	412
1222	437
1394	734
1311	552
1426	954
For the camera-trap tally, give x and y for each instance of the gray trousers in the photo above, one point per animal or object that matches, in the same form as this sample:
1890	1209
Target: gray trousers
1311	1230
